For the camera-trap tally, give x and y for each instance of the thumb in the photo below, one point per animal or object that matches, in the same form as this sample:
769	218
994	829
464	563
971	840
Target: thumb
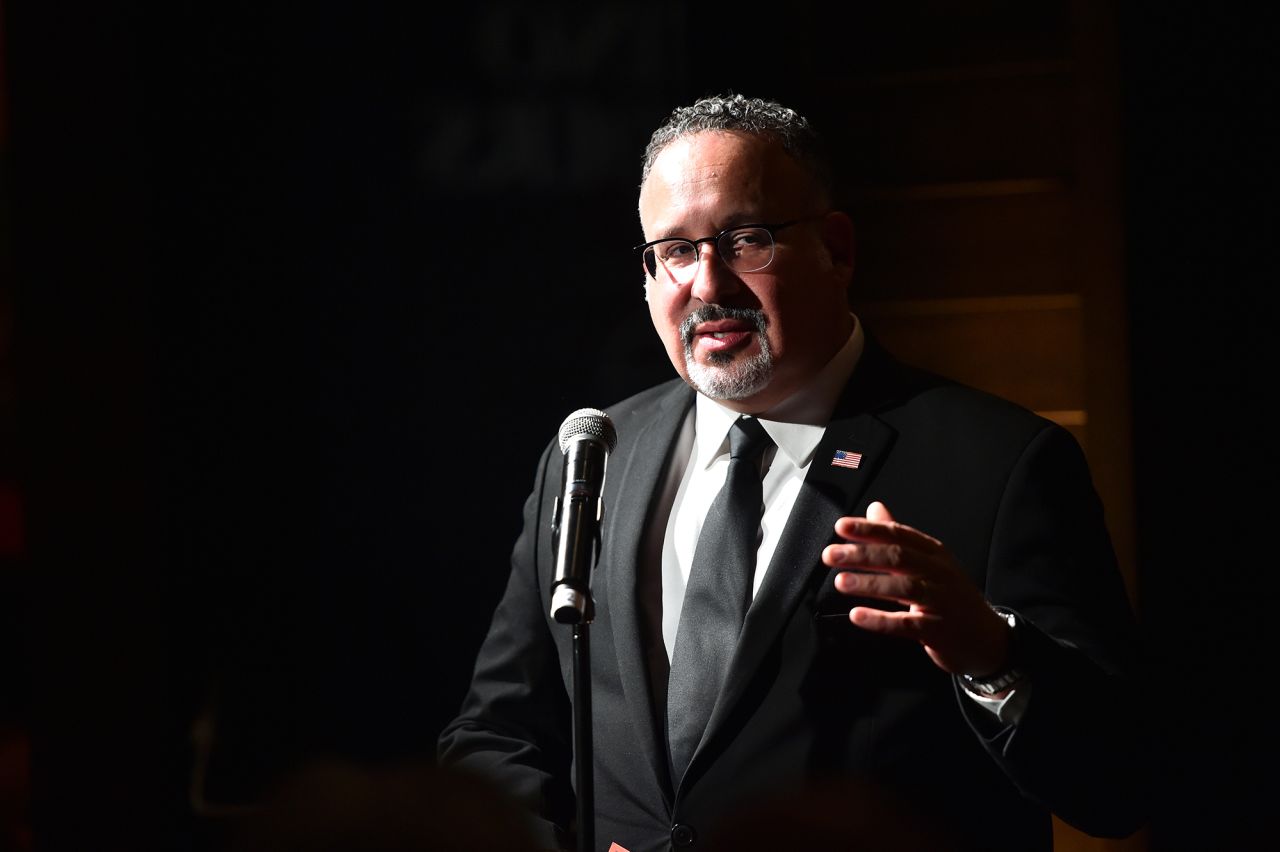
877	512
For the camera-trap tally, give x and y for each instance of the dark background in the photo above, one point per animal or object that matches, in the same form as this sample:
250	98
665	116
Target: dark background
299	293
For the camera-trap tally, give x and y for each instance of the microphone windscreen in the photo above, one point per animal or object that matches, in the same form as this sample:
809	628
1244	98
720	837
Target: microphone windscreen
588	421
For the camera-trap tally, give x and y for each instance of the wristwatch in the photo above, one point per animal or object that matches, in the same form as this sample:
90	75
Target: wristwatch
1011	674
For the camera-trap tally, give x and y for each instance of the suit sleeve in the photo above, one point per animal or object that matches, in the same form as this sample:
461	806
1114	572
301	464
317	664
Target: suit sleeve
1079	748
515	725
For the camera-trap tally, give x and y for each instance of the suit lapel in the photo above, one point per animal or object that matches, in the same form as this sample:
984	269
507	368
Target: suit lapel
830	491
632	493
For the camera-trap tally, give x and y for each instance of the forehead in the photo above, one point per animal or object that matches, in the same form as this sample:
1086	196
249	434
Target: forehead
712	176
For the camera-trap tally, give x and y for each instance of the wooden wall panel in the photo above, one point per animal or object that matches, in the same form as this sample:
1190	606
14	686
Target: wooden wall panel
997	123
1025	350
914	36
1018	242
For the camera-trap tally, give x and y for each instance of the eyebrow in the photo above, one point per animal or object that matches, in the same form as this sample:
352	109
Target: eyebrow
733	220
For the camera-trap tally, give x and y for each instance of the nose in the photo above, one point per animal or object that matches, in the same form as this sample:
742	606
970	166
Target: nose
713	280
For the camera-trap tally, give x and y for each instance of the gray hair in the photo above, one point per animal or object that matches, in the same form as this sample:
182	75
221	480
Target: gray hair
748	115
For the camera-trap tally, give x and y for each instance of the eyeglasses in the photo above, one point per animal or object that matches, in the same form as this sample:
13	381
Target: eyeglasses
743	248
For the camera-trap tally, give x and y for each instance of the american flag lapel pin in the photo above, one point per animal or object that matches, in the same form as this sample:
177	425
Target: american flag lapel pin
846	458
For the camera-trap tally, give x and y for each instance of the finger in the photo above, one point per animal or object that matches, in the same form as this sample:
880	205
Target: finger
867	554
843	555
862	529
866	529
902	588
878	512
909	625
893	558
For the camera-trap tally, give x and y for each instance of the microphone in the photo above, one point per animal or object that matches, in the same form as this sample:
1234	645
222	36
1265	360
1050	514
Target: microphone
587	437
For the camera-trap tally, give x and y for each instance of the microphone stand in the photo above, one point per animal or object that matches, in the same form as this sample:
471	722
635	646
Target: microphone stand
582	756
573	606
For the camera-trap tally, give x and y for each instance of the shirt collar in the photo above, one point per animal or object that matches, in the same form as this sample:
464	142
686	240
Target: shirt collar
796	424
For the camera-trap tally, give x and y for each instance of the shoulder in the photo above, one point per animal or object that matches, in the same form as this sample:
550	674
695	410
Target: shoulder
903	391
929	410
674	395
953	404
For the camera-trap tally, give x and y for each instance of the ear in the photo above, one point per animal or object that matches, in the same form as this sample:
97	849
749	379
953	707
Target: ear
838	237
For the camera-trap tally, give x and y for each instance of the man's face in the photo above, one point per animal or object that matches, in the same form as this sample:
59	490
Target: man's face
749	339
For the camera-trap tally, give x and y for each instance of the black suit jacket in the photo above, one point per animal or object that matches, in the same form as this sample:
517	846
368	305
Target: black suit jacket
810	699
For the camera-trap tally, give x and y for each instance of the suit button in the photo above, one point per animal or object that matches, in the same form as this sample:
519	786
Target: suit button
682	836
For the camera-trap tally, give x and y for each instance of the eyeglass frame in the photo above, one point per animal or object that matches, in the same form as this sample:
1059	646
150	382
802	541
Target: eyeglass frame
768	228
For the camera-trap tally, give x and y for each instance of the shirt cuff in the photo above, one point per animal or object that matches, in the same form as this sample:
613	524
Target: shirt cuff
1008	709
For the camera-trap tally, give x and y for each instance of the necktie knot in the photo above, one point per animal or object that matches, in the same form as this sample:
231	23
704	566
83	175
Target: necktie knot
747	438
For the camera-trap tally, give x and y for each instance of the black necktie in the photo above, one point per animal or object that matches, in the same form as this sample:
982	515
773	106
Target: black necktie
717	595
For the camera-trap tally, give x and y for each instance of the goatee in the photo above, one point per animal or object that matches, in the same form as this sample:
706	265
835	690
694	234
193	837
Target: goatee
729	375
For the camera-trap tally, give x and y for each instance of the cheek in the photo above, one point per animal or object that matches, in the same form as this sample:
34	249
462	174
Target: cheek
665	313
791	321
662	312
664	304
779	314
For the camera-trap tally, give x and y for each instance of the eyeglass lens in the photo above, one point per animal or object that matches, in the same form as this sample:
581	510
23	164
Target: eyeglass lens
741	249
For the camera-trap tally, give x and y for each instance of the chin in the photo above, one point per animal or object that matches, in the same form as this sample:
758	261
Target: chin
733	380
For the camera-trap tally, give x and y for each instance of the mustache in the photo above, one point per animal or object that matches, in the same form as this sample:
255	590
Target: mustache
711	313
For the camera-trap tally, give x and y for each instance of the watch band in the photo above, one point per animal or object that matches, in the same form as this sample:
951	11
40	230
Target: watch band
997	682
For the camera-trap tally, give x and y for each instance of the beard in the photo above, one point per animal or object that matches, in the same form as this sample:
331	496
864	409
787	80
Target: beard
728	375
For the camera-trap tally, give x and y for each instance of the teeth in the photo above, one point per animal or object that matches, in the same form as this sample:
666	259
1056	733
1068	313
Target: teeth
719	335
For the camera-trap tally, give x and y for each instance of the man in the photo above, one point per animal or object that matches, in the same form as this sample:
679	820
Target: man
933	614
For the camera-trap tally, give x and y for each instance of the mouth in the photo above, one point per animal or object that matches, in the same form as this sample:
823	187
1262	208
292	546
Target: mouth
718	332
722	335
